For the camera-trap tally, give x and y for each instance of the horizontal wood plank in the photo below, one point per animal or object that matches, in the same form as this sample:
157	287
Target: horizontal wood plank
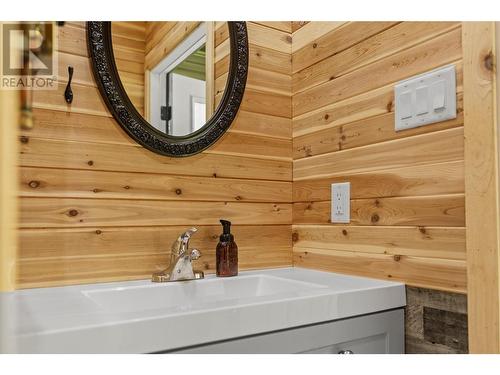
437	147
269	59
69	271
269	38
70	183
114	157
427	242
267	103
265	80
433	273
426	179
70	212
335	41
254	146
435	210
72	39
285	26
61	125
308	32
129	29
80	127
89	242
38	273
262	124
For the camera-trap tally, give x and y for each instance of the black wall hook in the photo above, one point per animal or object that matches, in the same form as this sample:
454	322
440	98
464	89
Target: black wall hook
68	93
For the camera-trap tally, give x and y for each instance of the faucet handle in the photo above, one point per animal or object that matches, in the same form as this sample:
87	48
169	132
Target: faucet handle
195	254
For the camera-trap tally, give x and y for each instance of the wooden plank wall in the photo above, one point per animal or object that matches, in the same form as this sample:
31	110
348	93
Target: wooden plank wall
221	60
9	124
407	188
129	47
482	178
95	206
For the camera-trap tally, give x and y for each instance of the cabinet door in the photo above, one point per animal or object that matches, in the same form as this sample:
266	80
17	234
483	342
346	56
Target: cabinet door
368	334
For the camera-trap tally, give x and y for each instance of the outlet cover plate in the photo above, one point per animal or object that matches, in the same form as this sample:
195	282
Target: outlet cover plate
341	199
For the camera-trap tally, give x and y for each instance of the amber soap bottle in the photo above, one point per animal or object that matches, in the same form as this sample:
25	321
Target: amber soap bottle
227	252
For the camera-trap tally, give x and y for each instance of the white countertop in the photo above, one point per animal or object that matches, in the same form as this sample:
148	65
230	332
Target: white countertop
132	317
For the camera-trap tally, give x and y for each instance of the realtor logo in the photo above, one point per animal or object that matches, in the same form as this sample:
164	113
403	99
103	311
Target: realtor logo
28	56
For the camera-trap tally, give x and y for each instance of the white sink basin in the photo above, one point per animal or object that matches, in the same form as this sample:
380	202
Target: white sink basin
242	289
142	317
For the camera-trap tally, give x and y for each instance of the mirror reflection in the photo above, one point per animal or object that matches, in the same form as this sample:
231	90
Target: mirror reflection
174	73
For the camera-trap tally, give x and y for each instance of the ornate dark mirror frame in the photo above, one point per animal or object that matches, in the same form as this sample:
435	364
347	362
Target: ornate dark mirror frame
109	83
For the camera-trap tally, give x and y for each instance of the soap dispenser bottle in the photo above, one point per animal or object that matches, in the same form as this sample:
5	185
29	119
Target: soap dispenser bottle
227	252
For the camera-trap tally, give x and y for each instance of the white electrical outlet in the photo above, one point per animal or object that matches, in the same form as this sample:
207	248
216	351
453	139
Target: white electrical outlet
341	199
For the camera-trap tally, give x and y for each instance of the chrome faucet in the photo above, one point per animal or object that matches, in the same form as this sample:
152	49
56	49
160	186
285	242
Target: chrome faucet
181	266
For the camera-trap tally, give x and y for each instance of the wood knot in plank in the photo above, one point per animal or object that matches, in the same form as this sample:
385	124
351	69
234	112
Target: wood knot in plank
307	151
397	257
375	218
295	237
24	139
489	61
178	191
73	212
34	184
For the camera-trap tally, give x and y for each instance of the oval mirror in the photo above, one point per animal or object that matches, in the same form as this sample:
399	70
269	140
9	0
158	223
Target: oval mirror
174	87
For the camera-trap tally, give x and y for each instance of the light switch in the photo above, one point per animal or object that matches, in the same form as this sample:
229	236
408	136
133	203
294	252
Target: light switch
404	105
426	98
438	92
422	100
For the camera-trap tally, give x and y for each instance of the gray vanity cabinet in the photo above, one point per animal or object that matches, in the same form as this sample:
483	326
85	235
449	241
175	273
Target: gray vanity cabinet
376	333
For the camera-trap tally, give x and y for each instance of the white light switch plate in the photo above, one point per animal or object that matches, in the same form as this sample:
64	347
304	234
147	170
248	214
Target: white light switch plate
425	99
341	199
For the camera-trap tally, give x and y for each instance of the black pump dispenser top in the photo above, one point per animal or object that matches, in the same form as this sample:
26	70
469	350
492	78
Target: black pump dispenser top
226	235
